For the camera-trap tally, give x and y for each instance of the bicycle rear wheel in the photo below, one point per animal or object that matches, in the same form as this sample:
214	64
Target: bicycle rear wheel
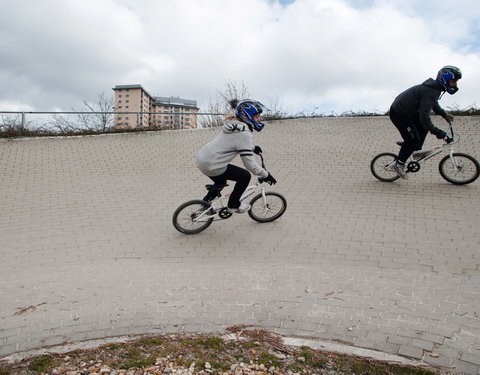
273	207
379	167
188	219
466	170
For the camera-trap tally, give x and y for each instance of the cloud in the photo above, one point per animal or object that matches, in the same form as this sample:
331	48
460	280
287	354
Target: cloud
333	55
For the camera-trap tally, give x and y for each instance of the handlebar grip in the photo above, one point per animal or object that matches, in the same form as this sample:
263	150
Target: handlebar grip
448	140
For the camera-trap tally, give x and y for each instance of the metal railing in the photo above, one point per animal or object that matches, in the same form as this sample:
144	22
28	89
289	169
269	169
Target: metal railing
53	121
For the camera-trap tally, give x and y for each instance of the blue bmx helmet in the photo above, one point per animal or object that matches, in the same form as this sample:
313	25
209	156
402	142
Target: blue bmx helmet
447	73
246	110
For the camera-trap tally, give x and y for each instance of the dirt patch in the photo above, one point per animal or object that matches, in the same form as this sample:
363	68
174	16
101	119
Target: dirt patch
245	350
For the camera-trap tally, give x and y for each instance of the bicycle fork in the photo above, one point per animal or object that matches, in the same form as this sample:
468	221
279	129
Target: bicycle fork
456	167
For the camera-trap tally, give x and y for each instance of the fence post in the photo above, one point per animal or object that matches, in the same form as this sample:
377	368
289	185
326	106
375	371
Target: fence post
23	120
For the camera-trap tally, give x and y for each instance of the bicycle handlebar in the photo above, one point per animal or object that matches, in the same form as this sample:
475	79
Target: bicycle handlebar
262	179
450	127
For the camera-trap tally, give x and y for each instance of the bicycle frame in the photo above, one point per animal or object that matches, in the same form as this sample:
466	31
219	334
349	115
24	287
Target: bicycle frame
439	149
219	203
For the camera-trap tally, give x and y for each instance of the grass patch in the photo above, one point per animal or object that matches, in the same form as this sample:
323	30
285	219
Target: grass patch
268	360
182	362
151	341
215	343
312	358
42	363
251	351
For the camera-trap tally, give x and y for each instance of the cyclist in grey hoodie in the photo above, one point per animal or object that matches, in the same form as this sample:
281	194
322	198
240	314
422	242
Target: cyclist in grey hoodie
214	158
410	113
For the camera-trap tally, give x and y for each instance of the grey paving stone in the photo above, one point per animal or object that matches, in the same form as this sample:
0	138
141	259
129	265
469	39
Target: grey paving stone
410	351
471	358
462	367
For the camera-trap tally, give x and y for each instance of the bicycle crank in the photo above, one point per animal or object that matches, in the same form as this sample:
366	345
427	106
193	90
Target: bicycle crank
224	213
413	167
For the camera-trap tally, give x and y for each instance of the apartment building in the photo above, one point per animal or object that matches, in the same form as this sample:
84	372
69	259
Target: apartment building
135	107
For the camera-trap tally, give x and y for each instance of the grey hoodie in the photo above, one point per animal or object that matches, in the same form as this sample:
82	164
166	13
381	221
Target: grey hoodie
419	101
235	138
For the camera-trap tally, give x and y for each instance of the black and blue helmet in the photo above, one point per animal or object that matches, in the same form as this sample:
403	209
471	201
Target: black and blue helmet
246	110
447	73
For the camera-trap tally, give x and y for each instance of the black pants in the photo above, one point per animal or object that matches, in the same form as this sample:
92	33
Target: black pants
242	178
412	132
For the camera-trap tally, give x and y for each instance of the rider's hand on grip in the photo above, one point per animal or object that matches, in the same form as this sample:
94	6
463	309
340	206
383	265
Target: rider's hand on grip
440	134
448	117
270	180
257	150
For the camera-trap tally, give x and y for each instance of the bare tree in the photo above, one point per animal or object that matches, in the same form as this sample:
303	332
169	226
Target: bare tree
232	93
223	104
102	113
10	122
226	101
17	126
96	116
213	116
275	110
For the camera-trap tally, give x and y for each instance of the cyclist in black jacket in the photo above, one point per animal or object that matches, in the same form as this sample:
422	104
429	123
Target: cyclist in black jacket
410	113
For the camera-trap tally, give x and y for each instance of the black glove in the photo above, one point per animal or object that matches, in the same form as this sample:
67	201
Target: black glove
440	134
257	150
448	117
448	140
270	180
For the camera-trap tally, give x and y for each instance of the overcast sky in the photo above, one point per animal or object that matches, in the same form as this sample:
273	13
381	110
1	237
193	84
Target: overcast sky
304	55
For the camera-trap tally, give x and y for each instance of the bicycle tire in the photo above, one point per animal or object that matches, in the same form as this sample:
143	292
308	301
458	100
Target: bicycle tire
276	206
183	217
379	167
468	169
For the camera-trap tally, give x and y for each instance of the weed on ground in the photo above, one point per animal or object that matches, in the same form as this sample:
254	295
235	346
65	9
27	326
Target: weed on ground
244	351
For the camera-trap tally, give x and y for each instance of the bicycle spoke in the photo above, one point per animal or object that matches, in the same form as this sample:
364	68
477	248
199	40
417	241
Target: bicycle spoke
192	217
268	208
460	169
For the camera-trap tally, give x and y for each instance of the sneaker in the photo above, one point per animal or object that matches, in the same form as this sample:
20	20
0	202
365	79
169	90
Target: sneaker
244	207
399	169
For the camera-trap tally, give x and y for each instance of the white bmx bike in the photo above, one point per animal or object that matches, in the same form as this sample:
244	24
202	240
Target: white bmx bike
197	215
456	167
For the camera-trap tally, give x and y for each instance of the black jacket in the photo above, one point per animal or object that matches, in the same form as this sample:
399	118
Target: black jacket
418	101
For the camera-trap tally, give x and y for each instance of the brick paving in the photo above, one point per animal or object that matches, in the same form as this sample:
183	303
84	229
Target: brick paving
88	249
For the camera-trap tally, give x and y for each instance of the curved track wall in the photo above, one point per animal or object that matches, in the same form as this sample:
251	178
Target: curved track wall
88	250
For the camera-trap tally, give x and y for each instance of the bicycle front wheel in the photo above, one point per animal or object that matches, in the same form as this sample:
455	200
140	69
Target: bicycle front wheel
191	217
271	209
380	167
461	170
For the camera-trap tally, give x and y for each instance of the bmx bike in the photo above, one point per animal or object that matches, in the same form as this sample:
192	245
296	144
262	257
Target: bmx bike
196	215
456	167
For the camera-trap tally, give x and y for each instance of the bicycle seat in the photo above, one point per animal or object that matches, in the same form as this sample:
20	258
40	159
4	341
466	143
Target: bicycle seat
212	187
400	143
